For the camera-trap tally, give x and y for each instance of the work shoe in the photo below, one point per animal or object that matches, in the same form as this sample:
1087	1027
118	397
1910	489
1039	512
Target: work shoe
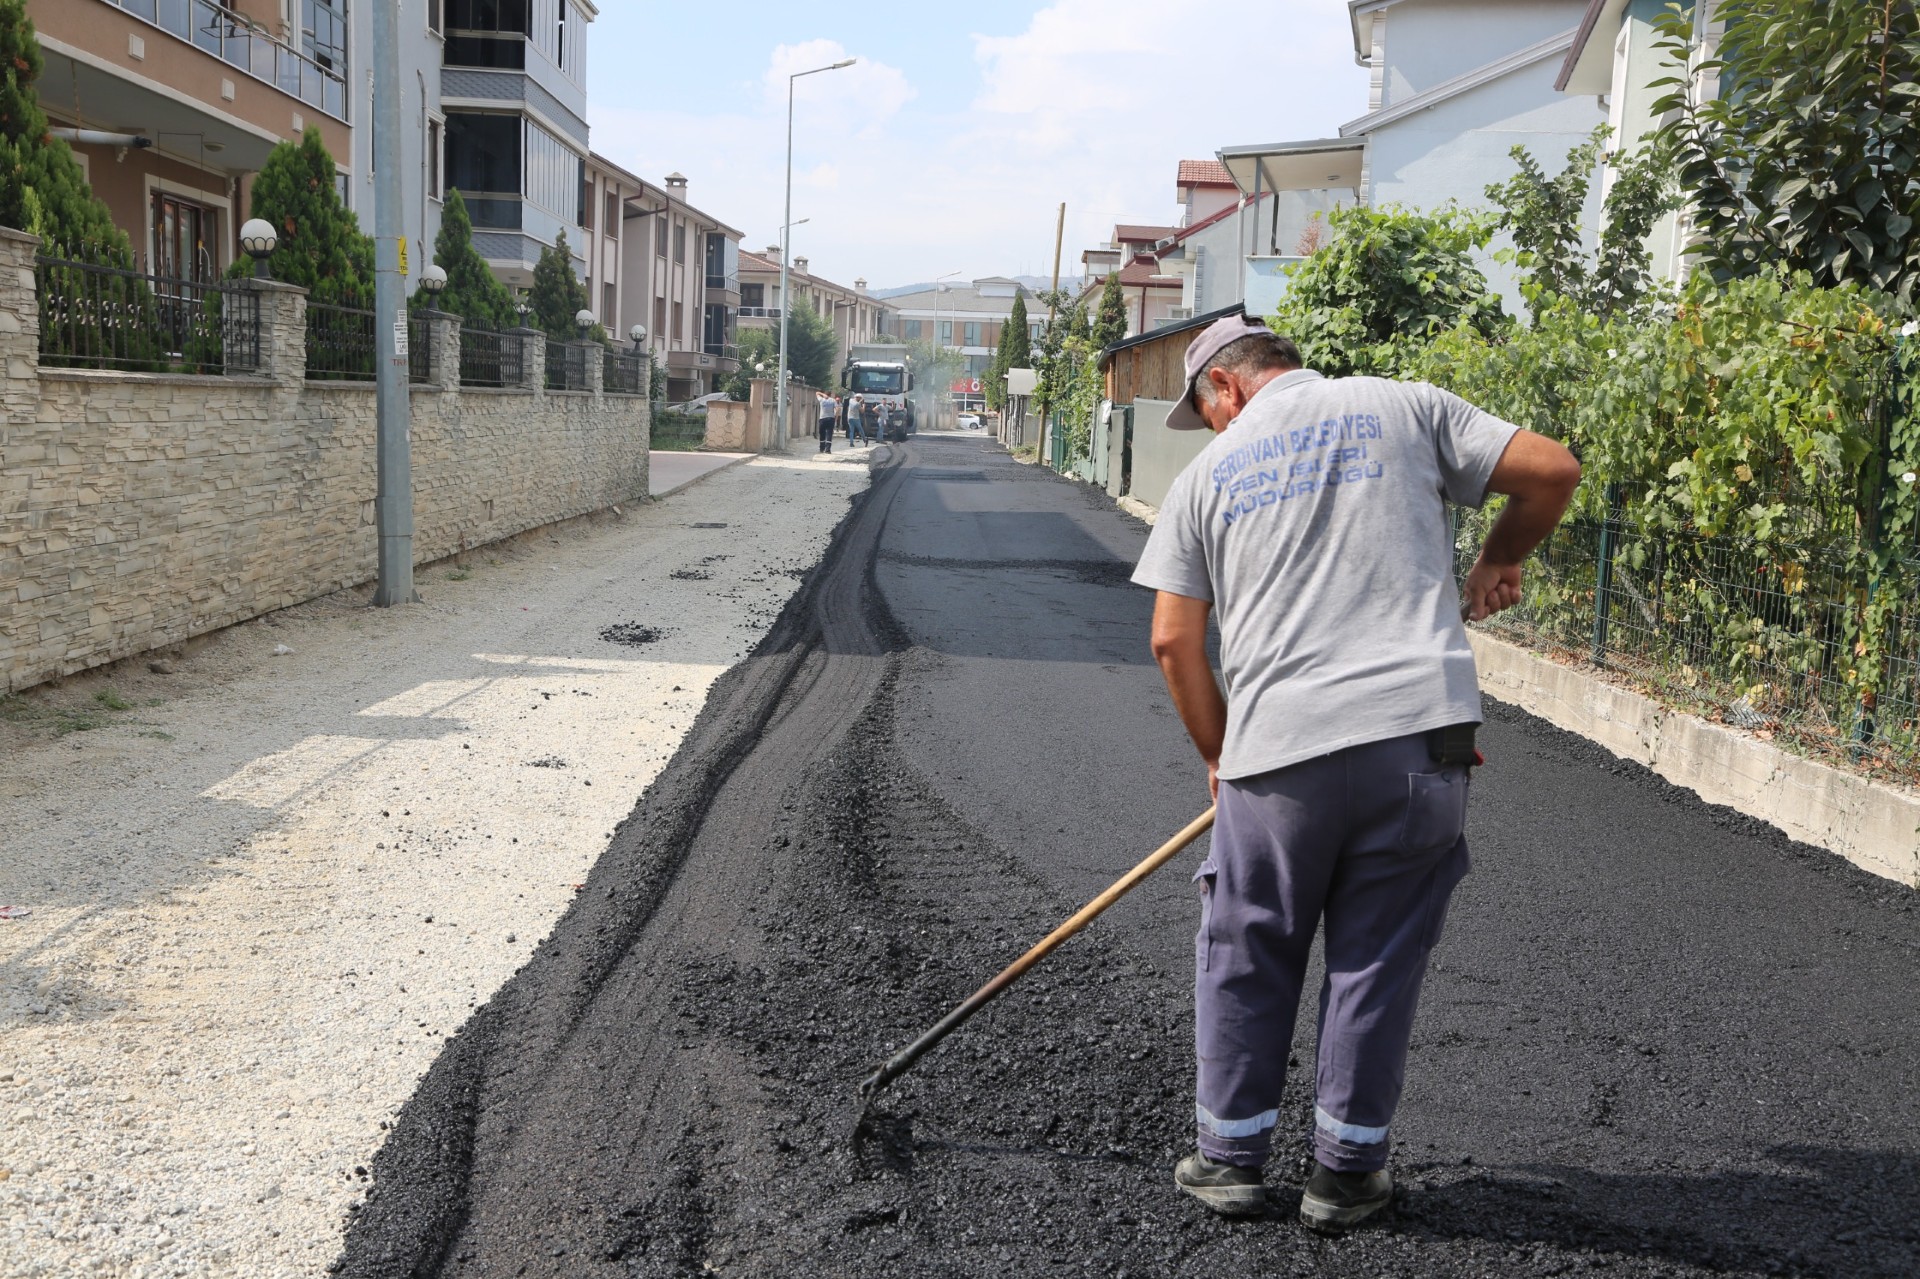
1336	1200
1228	1190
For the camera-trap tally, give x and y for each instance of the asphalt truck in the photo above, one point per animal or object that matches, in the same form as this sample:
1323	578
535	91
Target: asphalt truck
878	373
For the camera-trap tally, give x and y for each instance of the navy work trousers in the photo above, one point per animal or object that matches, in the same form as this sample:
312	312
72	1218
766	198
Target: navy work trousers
1370	839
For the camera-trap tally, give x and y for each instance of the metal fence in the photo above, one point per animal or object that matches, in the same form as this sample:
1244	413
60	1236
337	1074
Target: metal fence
624	373
342	343
567	364
678	431
491	358
103	316
423	353
1765	636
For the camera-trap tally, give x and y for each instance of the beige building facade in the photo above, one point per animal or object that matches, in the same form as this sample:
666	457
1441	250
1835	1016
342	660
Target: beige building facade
673	269
853	313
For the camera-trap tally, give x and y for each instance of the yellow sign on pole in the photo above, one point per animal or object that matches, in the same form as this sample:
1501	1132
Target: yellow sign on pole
403	256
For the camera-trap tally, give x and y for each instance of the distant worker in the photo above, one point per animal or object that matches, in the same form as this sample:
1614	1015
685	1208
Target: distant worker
876	421
857	419
825	428
1315	522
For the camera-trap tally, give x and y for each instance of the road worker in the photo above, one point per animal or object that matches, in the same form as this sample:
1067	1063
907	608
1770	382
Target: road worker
1315	525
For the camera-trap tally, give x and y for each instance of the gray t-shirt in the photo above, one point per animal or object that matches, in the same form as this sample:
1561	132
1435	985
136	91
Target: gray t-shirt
1317	525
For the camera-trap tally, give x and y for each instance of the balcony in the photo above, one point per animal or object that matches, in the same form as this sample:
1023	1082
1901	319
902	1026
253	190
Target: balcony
234	39
759	313
726	355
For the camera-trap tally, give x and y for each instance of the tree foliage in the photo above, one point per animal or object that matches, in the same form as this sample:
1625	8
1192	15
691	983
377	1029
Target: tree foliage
1806	157
1547	218
757	347
473	291
812	347
1387	281
1110	324
42	190
559	295
1016	336
321	248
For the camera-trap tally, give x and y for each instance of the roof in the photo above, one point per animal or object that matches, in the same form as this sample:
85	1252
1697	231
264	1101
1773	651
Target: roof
649	190
1203	173
1128	233
1144	272
1172	330
751	261
1595	71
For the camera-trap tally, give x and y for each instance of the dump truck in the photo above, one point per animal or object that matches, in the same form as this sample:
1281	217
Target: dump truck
878	372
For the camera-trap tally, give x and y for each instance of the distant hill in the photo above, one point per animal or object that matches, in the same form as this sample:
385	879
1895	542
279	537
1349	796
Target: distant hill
1033	282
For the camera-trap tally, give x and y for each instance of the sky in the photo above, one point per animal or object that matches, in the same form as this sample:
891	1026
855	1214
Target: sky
951	143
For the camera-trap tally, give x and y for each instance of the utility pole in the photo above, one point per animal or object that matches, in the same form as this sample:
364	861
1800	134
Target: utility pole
786	254
1059	238
394	504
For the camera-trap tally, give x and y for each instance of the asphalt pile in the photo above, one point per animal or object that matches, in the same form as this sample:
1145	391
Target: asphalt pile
668	1087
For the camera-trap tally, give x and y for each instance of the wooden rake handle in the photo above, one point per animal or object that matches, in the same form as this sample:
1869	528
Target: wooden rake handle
902	1061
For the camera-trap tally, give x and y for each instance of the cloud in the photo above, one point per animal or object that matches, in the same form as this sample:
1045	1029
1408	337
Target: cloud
867	94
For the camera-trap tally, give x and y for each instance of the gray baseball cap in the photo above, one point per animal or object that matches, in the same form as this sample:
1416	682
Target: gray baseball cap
1215	338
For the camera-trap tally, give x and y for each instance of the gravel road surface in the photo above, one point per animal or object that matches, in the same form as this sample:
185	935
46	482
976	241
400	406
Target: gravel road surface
265	889
1658	1039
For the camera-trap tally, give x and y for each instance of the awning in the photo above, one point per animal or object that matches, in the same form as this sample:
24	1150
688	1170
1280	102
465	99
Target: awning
1319	164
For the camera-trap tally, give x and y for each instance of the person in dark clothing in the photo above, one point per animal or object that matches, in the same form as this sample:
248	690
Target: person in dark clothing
828	408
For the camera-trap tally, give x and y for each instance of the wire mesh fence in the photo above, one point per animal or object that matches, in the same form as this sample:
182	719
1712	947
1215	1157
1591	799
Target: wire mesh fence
491	358
624	373
680	432
341	343
103	315
1766	636
567	364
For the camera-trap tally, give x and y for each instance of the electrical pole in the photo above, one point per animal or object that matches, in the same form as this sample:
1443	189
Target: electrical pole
394	504
1059	238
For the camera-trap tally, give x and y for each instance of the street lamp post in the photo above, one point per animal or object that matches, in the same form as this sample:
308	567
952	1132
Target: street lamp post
939	288
786	258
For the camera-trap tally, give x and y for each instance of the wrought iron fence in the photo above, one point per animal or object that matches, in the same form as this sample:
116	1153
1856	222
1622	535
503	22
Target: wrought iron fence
423	354
342	343
489	357
624	372
567	364
1764	635
106	316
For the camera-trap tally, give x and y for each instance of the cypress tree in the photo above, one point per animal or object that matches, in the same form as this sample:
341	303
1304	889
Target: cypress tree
473	292
558	295
42	189
1016	339
321	248
1110	325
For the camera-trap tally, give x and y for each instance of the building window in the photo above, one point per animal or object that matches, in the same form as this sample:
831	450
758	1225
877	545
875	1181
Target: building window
911	330
182	234
560	39
433	16
435	158
659	319
323	32
679	243
612	224
660	235
488	33
971	333
609	307
946	333
552	173
753	295
483	164
679	323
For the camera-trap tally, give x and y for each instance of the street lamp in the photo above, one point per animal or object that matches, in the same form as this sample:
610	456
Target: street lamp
524	311
259	239
786	221
939	287
433	279
583	320
639	334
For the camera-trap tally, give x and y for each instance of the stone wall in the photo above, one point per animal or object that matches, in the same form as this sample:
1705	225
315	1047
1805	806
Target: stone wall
137	510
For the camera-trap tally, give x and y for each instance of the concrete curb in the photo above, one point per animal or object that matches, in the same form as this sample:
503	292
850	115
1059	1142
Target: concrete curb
1873	825
1139	510
740	460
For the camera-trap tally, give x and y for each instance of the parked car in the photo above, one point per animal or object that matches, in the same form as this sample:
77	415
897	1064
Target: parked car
699	405
969	421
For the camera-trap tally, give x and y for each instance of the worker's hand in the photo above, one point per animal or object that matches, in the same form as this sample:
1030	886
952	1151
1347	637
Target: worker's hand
1213	781
1491	588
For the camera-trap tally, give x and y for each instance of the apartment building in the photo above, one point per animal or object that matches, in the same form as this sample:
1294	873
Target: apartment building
854	314
182	101
675	270
966	318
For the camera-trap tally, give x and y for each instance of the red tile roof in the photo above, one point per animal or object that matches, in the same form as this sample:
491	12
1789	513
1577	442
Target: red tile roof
1204	173
1146	273
1127	234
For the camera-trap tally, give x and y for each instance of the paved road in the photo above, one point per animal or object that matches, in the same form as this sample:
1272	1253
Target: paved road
1658	1040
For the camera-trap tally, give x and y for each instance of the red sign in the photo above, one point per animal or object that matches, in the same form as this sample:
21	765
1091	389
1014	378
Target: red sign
966	386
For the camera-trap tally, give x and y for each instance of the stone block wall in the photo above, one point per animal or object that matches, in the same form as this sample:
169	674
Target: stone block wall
137	510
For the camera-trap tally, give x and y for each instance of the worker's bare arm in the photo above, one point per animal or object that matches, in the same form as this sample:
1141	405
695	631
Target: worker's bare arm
1180	647
1538	477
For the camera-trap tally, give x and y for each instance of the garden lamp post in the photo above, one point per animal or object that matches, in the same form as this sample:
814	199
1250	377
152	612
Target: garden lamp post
786	235
638	334
583	320
259	239
433	279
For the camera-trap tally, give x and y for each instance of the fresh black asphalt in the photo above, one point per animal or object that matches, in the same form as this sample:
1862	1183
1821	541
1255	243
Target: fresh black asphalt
1658	1038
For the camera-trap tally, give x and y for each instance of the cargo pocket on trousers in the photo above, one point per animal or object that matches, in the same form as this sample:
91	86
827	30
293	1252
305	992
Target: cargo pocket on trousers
1436	810
1446	877
1203	940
